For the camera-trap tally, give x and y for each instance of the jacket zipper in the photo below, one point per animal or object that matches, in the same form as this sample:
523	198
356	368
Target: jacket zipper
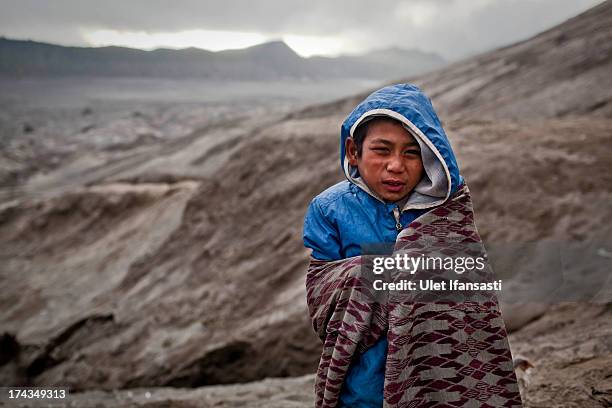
396	215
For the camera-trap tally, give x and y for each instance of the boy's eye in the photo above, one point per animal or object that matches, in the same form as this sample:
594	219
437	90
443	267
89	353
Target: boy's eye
380	149
412	152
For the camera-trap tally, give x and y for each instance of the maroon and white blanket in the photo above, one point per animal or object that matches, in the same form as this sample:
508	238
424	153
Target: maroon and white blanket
443	352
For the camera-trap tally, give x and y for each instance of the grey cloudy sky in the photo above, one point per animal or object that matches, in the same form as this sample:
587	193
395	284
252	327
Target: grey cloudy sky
451	28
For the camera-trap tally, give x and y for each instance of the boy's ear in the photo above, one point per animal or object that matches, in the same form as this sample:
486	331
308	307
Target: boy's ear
351	151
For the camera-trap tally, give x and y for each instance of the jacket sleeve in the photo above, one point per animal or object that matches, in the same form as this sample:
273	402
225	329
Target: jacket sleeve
320	234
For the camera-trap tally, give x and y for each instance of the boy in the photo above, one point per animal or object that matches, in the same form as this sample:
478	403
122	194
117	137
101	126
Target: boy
399	165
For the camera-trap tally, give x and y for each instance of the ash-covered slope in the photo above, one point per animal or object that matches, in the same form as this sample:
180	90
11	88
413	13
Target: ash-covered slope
187	268
562	72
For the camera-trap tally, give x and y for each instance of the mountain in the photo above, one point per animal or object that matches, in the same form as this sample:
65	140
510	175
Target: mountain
28	58
183	265
384	63
272	60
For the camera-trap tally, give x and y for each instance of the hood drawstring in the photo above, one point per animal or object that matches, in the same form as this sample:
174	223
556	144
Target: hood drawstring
396	215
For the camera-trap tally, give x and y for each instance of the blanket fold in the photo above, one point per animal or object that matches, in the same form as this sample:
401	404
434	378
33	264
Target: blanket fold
446	348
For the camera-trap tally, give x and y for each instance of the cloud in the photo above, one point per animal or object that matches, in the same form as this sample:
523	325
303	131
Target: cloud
452	28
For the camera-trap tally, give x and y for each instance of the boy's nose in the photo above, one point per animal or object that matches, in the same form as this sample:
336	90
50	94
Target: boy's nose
394	165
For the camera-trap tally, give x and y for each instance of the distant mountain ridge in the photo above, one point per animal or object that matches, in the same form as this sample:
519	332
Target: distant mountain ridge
269	61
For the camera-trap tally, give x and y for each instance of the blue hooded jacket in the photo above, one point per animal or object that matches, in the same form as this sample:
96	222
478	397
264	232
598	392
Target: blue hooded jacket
348	215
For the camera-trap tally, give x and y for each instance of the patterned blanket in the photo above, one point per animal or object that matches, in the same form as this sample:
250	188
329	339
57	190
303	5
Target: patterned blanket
444	350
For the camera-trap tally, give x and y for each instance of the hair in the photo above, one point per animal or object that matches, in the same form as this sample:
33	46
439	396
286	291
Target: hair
361	131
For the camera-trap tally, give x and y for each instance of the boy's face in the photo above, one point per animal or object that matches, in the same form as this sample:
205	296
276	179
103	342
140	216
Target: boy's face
390	162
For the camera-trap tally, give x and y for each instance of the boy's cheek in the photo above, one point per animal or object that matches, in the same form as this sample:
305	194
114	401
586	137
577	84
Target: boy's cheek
373	167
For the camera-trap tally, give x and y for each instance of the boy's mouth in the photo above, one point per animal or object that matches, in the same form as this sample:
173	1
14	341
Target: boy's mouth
393	186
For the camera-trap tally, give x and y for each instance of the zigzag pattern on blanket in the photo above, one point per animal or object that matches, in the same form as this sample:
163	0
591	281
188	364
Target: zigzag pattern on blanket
345	317
453	357
442	353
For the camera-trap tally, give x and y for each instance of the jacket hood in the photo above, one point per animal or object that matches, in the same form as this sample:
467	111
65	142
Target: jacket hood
408	104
